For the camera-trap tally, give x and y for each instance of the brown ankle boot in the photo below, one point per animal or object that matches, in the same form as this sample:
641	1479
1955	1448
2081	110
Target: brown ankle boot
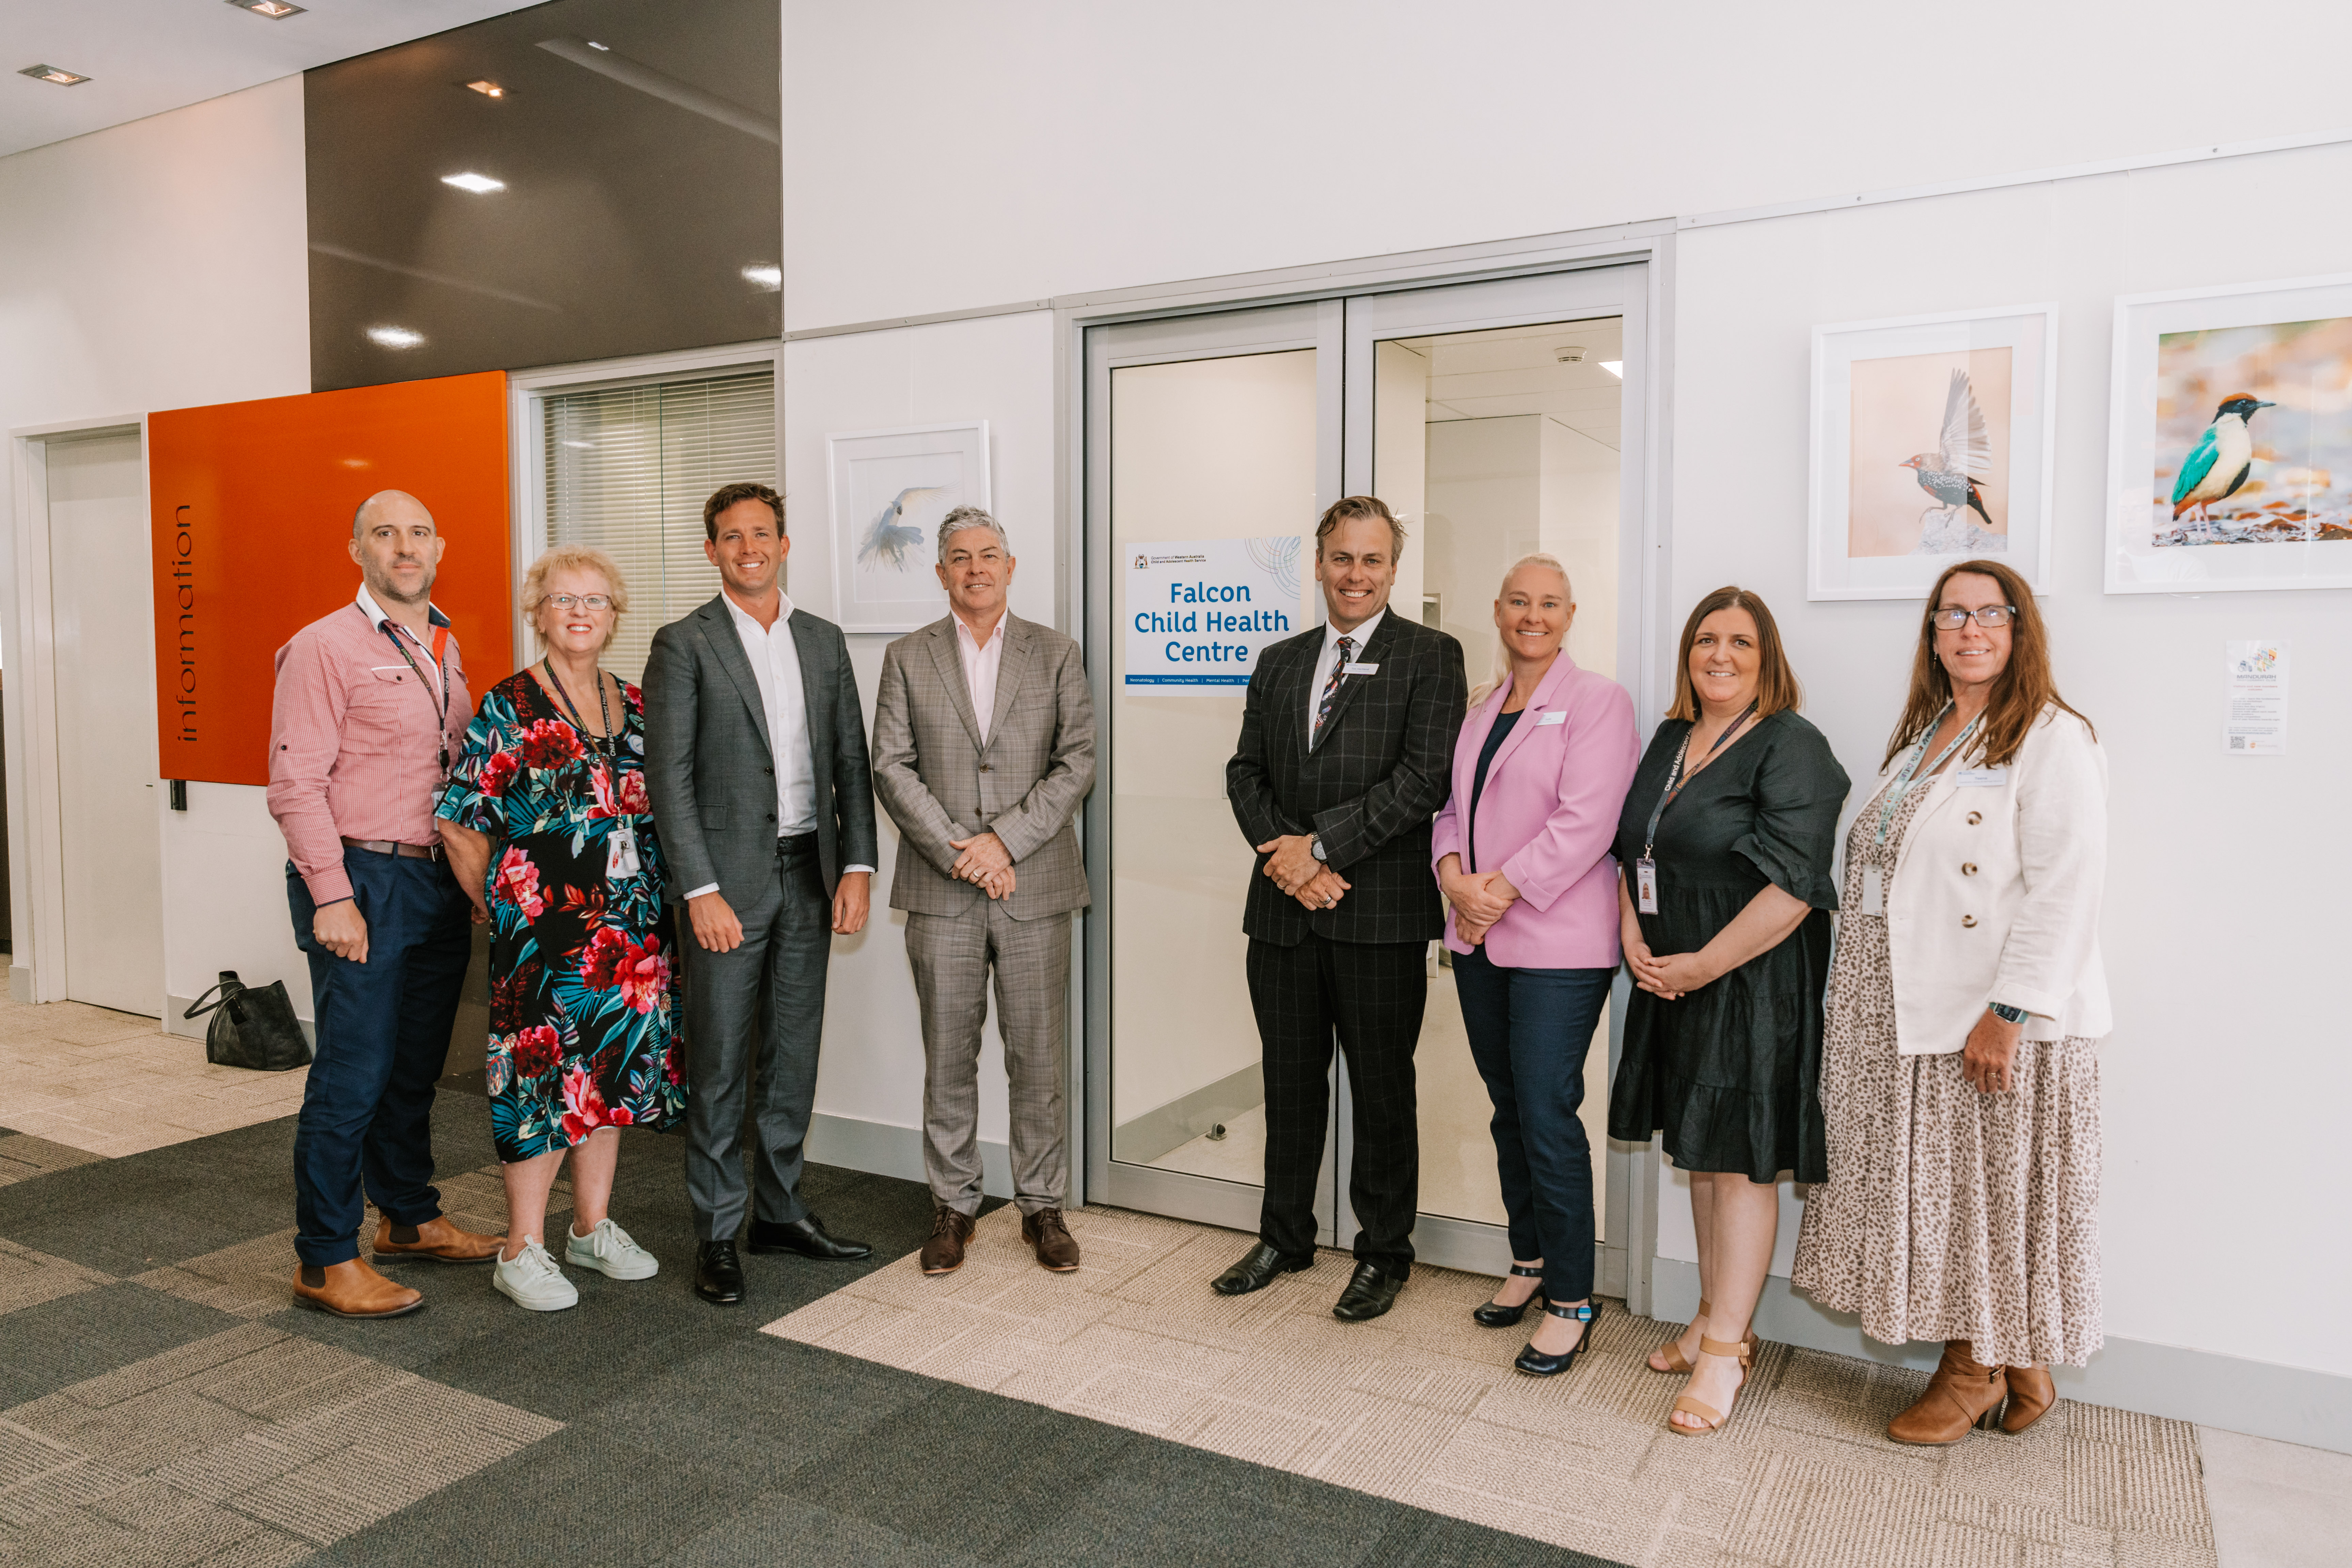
352	1289
2031	1396
1963	1393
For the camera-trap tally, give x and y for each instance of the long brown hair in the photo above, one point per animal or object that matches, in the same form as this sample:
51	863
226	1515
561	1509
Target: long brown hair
1776	683
2024	689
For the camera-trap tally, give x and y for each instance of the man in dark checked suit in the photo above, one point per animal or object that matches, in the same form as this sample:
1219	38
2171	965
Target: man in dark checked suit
1345	753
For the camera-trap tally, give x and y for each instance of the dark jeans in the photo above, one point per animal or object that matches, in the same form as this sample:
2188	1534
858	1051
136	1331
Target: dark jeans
383	1030
1528	1031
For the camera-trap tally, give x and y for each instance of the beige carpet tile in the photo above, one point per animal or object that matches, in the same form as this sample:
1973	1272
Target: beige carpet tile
247	1447
109	1084
1421	1406
27	1278
24	1156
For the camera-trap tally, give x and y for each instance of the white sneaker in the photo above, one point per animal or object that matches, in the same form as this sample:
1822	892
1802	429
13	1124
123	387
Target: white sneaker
532	1280
609	1251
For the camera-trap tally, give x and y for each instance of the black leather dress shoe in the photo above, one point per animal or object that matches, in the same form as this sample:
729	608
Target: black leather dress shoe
1257	1268
718	1272
1535	1363
806	1236
1372	1291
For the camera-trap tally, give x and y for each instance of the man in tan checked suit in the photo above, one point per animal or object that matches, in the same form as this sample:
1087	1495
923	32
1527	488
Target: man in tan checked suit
983	747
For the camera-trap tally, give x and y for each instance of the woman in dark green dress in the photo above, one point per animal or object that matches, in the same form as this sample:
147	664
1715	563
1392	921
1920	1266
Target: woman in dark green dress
1724	852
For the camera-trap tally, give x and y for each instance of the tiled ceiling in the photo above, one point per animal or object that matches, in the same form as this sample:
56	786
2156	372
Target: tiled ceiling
1516	371
143	57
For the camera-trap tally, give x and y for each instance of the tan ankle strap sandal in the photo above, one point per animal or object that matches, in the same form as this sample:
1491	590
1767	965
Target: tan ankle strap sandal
1714	1418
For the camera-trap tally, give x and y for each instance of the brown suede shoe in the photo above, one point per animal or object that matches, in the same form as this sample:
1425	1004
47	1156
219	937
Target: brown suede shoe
1963	1393
950	1228
2031	1396
1057	1249
352	1289
436	1239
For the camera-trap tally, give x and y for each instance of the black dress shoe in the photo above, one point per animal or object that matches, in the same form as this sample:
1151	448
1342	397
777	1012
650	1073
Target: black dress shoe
718	1272
1372	1291
1257	1270
806	1236
1494	1315
1535	1363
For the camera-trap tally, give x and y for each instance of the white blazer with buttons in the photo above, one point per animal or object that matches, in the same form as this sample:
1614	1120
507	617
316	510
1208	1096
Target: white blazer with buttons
1996	894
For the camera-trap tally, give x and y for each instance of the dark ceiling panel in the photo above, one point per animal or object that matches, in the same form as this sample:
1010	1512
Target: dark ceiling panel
641	181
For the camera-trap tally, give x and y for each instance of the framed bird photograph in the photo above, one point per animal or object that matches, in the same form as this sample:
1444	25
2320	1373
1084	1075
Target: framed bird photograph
2230	445
1931	443
890	490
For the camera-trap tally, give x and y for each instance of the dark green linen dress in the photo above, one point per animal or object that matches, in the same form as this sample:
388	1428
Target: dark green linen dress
1731	1072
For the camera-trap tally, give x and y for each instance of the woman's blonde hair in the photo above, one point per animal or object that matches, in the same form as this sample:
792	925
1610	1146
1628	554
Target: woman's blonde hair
1776	683
1502	670
574	558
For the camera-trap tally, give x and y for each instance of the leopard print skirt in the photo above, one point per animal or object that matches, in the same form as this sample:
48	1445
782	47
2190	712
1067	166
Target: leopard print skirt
1950	1214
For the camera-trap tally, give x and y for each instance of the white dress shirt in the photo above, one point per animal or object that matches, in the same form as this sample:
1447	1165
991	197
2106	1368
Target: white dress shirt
776	666
982	661
1330	657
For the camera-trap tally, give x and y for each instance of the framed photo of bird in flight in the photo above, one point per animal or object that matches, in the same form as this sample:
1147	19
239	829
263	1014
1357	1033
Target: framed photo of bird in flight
890	490
1931	442
2230	445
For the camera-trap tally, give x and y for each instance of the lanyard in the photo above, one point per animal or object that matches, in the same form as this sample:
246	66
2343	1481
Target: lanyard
1892	801
1676	779
440	658
610	745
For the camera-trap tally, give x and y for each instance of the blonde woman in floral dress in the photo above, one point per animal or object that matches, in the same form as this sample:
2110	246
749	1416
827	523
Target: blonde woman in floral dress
550	831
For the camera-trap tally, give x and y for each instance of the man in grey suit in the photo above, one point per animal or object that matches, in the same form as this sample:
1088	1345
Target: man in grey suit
755	757
983	747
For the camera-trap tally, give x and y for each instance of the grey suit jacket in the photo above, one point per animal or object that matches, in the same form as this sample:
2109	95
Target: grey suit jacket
711	770
939	782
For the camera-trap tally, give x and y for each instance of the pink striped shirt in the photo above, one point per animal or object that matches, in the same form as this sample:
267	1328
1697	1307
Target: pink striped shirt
356	741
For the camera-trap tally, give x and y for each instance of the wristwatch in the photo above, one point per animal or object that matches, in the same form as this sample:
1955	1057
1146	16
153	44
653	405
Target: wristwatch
2006	1013
1315	847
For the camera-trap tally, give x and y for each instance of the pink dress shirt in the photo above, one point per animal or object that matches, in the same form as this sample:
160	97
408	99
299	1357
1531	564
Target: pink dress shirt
980	666
355	742
1553	796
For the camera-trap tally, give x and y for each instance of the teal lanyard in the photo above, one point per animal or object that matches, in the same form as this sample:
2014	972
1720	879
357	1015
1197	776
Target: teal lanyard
1892	801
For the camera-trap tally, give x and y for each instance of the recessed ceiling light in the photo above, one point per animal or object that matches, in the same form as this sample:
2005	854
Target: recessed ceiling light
57	74
765	277
488	89
1615	367
395	337
275	10
480	184
595	45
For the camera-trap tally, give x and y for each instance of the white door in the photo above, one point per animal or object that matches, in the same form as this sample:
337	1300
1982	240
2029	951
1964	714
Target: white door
101	608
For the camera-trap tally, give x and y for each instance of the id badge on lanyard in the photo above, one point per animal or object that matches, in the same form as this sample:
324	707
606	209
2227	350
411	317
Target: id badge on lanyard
1645	869
621	849
1645	886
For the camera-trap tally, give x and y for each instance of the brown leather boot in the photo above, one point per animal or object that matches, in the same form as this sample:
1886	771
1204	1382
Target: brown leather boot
2031	1396
950	1228
352	1289
436	1239
1057	1248
1963	1393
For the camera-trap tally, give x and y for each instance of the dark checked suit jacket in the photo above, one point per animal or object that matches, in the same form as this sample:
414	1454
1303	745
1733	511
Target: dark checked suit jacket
1376	776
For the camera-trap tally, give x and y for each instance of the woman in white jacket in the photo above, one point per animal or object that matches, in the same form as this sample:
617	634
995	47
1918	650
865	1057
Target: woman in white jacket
1960	1075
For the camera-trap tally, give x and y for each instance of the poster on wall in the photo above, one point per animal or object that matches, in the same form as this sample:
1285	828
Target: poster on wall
2253	719
2230	439
890	490
1200	611
1931	442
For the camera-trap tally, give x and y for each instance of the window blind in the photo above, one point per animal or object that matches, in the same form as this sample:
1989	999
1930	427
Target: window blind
627	471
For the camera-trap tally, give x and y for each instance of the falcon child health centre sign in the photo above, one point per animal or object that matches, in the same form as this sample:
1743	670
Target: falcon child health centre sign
1199	612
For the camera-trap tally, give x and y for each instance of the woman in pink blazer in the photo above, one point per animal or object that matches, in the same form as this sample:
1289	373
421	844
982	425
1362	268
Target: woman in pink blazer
1522	854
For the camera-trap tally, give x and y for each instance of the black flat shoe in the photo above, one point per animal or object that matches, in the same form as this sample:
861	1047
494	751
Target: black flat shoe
718	1273
806	1236
1257	1270
1494	1315
1372	1291
1535	1364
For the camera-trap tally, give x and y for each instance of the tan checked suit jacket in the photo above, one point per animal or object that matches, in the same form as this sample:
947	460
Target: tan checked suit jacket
939	782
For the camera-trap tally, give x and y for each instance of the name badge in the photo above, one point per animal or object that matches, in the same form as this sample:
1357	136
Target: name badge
621	850
1559	718
1980	778
1645	887
1874	891
1361	669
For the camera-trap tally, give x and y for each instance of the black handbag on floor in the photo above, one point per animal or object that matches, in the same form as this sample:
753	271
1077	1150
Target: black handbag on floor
253	1028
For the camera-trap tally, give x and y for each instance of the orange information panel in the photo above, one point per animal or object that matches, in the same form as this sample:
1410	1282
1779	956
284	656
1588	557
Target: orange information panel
253	506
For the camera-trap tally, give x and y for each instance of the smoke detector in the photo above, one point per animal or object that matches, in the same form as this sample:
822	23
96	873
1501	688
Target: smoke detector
1570	354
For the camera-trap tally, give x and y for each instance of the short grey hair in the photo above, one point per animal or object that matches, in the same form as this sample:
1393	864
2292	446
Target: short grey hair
964	517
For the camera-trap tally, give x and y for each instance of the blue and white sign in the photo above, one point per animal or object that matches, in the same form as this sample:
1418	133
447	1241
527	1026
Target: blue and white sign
1199	612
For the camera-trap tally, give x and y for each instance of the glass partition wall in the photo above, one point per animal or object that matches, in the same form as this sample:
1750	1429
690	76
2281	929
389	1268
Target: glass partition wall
1493	419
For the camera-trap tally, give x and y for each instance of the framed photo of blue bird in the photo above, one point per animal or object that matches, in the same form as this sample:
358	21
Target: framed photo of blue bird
890	490
2230	445
1931	442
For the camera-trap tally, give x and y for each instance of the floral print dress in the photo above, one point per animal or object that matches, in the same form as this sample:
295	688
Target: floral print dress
581	1031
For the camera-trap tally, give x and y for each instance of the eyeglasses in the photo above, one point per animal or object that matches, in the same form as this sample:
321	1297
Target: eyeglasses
1990	617
586	601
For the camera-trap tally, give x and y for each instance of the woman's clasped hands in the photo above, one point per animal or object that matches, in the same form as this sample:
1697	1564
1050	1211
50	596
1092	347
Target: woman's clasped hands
1479	900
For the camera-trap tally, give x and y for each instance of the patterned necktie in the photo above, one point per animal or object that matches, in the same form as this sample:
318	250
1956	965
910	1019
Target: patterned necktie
1331	687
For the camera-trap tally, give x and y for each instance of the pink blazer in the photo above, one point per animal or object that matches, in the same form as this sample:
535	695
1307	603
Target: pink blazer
1553	796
